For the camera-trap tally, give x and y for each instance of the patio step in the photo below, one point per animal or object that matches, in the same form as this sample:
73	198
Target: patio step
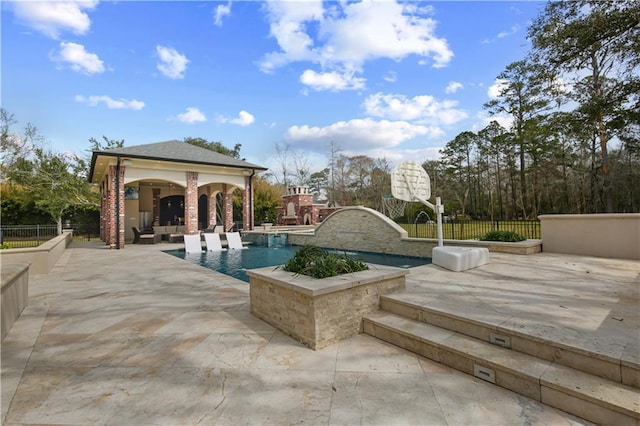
481	326
593	398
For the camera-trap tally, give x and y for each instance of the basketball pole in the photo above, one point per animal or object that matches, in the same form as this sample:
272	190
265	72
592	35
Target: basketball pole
438	209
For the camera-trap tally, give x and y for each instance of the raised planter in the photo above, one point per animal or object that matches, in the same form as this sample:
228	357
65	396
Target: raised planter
319	312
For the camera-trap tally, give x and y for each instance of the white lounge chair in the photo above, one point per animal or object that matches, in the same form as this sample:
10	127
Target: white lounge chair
192	243
234	242
213	242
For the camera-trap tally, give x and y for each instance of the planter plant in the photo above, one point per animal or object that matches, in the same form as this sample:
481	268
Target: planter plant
319	263
504	236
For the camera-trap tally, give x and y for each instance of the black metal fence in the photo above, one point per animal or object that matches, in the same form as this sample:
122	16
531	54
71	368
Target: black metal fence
471	230
22	236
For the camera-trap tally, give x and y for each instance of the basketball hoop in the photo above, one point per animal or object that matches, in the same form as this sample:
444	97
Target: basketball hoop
393	207
410	182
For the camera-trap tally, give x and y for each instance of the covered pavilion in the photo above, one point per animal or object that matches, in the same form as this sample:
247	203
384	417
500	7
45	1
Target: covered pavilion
169	183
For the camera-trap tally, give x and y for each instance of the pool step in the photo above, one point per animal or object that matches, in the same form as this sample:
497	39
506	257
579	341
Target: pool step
484	327
594	398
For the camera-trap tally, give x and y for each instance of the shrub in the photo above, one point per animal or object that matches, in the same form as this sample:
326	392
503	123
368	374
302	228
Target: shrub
319	263
504	236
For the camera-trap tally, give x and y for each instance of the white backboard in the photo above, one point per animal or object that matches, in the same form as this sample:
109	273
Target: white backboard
409	180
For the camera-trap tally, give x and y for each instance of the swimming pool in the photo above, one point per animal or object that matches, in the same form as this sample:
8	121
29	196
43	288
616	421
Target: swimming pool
235	262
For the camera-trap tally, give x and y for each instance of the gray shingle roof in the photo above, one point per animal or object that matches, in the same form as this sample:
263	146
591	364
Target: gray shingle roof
179	152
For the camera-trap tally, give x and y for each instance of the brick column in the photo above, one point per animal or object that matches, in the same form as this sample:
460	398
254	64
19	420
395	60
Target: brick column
247	205
191	204
113	234
228	207
156	205
103	211
211	220
110	228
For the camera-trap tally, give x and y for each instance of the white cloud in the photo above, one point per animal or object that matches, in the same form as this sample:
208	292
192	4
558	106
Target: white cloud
358	135
496	88
346	35
288	26
53	17
79	59
110	102
221	11
424	108
397	156
384	30
483	119
514	29
453	87
193	115
333	81
172	64
391	77
244	119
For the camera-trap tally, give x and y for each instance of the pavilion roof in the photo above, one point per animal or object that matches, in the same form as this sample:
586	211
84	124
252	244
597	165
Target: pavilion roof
174	151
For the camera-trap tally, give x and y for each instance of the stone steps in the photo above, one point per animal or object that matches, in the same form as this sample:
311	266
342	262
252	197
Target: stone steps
594	398
483	327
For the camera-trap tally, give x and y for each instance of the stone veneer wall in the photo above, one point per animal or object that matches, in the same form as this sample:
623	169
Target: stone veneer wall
364	229
319	312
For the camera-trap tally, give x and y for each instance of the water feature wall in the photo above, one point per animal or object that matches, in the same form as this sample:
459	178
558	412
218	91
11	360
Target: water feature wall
277	240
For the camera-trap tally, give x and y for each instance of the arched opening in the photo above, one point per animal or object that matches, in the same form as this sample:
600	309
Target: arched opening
219	208
203	211
172	210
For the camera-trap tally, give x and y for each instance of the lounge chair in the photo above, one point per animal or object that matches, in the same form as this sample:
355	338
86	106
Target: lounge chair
192	243
140	237
213	242
234	242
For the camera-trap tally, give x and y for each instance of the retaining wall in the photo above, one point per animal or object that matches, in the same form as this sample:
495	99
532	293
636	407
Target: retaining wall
42	258
15	293
602	235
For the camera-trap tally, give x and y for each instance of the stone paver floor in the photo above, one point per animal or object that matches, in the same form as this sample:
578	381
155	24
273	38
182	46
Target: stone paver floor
136	336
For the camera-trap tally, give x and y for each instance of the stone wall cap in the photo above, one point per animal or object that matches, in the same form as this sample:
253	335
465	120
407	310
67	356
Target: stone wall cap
318	286
11	270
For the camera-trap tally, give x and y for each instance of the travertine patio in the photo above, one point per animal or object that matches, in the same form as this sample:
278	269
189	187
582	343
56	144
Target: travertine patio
135	336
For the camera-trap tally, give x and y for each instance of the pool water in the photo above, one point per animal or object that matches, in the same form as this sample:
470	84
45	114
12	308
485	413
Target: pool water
235	262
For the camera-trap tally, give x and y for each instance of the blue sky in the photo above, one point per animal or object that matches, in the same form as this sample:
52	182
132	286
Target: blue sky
377	78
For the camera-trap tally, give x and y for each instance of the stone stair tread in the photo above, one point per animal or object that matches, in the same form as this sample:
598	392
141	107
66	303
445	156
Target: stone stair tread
495	322
601	391
409	327
613	395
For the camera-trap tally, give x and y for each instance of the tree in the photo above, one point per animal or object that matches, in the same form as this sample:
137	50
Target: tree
526	93
53	182
215	146
106	144
319	184
267	198
456	158
595	46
